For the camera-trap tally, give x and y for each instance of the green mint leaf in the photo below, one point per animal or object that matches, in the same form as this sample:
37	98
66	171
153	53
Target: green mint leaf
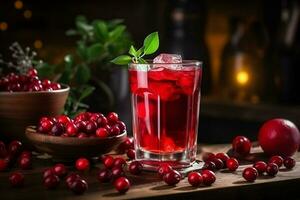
140	51
132	51
151	43
122	60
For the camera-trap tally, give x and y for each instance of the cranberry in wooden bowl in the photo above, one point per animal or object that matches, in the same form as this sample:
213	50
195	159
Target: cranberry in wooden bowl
67	139
24	99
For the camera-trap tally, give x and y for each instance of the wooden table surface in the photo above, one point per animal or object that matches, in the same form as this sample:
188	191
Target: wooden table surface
147	186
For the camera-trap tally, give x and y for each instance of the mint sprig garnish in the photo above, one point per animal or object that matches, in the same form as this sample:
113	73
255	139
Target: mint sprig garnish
150	46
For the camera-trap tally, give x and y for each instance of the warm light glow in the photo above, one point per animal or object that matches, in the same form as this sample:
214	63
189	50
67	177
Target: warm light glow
38	44
18	4
242	77
3	26
27	14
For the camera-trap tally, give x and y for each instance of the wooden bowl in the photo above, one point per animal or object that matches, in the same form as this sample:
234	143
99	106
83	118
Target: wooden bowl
20	109
70	148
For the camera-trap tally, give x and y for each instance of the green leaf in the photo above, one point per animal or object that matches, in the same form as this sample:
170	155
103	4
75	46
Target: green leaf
83	74
117	32
101	30
81	50
122	60
132	51
71	32
151	43
140	51
86	91
142	61
94	51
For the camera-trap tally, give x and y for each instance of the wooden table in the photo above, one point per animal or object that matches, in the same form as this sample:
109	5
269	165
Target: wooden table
148	186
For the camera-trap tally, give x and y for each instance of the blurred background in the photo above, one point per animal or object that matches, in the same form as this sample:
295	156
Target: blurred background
250	51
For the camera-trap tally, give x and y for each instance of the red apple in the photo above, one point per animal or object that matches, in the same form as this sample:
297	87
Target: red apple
279	137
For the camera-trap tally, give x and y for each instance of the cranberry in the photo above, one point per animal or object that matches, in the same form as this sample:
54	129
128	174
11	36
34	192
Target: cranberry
121	125
55	86
71	178
232	164
108	161
16	179
272	169
82	135
64	119
119	162
135	167
25	163
48	172
209	165
3	165
26	154
207	156
82	164
288	162
35	87
71	129
104	175
79	186
208	176
57	129
223	156
46	126
80	126
278	160
51	182
241	145
101	121
195	179
94	117
32	72
14	147
113	117
163	169
102	133
130	153
46	83
127	144
3	151
60	170
114	130
250	174
218	162
260	166
117	172
122	184
91	127
172	177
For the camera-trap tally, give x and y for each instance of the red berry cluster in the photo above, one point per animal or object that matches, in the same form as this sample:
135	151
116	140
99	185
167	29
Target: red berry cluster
84	125
219	161
114	172
24	83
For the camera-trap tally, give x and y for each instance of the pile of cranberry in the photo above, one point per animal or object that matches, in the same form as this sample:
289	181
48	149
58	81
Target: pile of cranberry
85	124
28	82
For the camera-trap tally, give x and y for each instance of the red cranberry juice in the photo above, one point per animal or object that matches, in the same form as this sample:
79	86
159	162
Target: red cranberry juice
166	109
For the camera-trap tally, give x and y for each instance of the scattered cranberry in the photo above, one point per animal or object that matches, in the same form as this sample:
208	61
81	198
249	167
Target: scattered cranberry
209	165
51	182
104	175
3	165
130	154
117	172
208	176
127	144
14	147
260	166
195	179
48	172
288	162
172	177
250	174
241	145
71	178
164	169
25	163
135	167
108	161
16	179
223	156
79	186
272	169
60	170
218	162
122	184
57	129
82	164
91	127
278	160
119	162
71	129
232	164
113	117
102	133
208	156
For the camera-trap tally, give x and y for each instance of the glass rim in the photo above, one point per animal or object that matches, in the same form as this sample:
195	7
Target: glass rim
184	63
